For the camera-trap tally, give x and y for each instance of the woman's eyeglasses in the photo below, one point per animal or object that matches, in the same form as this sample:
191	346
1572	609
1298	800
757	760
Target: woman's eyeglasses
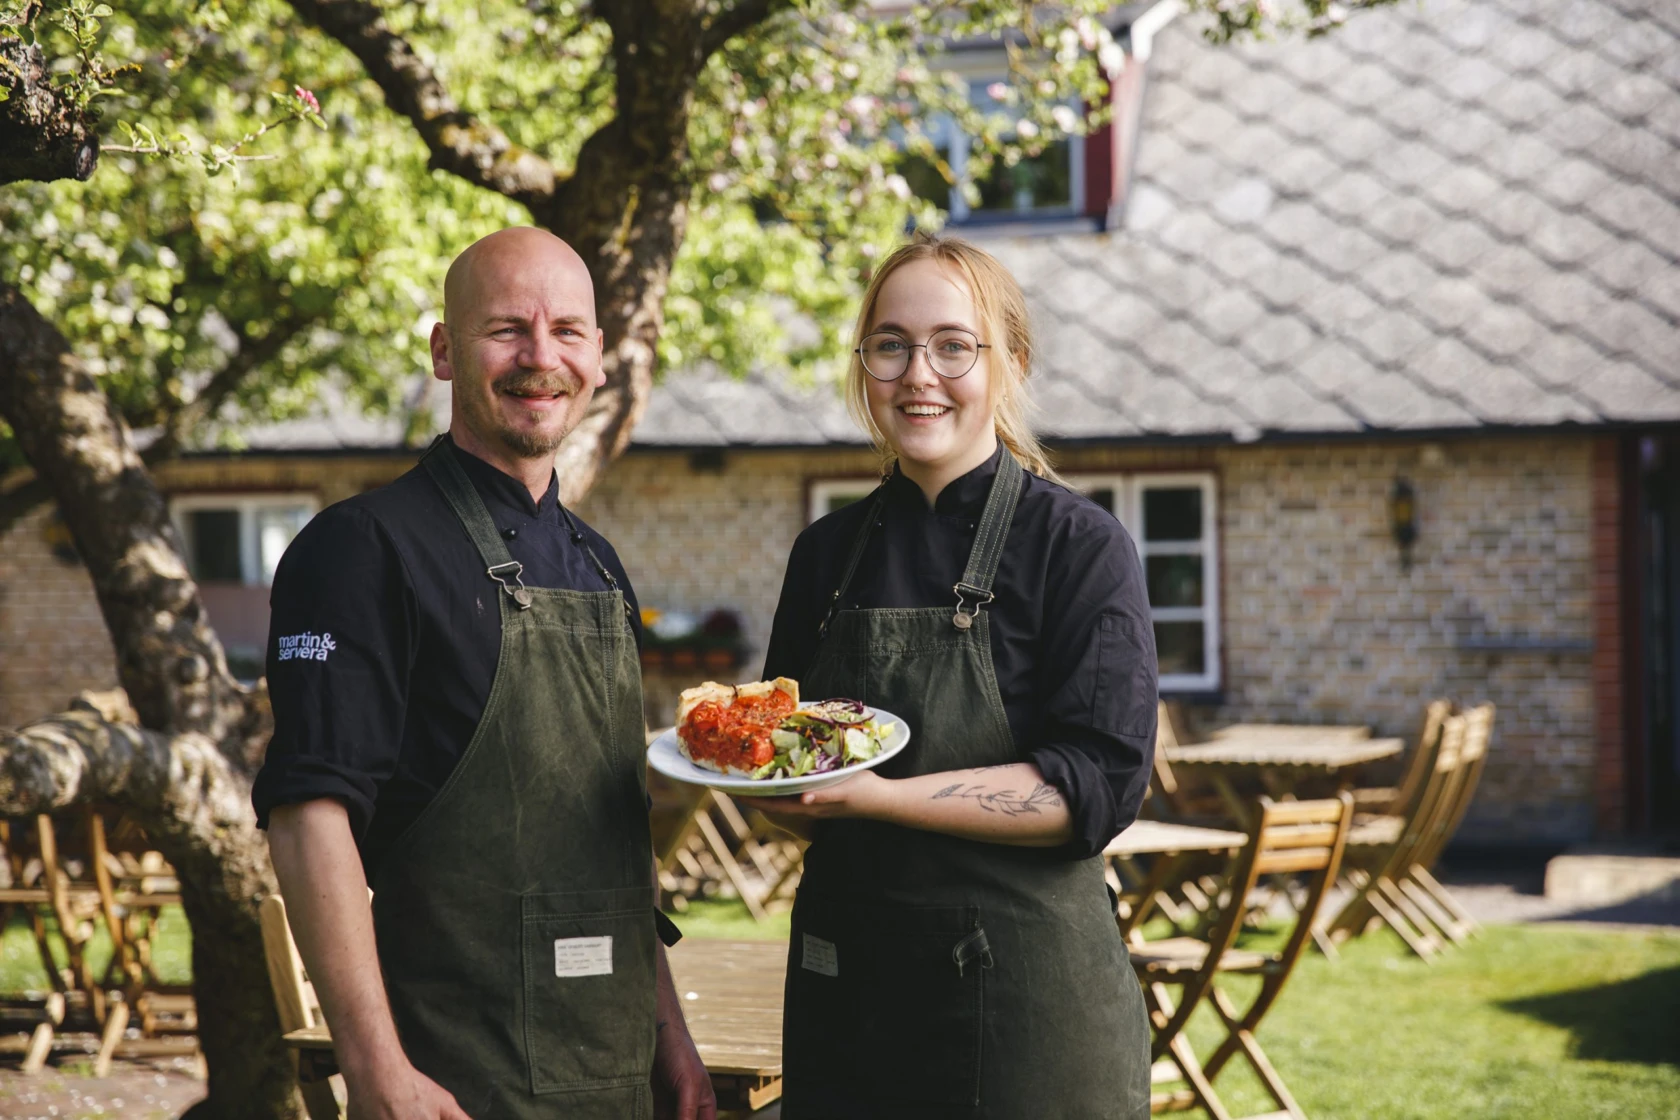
951	353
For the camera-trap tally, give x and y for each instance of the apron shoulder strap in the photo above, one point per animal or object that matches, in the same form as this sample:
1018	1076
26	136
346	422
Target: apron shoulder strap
976	583
451	478
858	545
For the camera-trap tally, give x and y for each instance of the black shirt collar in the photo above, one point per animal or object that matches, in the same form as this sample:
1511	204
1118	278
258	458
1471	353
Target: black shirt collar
964	496
503	493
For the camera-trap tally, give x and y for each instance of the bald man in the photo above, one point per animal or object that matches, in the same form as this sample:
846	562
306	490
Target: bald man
458	726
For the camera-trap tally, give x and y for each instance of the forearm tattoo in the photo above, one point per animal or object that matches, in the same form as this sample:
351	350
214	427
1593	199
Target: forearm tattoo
1009	802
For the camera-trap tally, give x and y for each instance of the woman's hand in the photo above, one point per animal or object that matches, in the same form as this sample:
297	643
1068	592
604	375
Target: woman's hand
864	794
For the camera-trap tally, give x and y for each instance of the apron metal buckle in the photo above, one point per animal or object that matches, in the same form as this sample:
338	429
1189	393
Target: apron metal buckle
964	619
517	589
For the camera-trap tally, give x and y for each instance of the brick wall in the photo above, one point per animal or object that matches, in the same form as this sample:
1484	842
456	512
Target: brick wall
52	637
1320	622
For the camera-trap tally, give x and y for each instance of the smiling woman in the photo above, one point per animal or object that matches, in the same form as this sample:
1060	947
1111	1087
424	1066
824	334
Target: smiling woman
952	910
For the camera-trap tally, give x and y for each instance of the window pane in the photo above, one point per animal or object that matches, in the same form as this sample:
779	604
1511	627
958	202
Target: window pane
1041	182
215	545
926	181
1172	513
1180	647
1104	497
276	526
1174	581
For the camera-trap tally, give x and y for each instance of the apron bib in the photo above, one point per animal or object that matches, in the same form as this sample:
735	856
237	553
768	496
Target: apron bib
932	976
515	916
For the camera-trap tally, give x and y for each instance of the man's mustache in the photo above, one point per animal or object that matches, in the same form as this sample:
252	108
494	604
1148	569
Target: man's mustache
536	384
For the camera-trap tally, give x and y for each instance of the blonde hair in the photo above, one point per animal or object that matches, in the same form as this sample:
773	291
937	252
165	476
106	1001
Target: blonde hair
1004	324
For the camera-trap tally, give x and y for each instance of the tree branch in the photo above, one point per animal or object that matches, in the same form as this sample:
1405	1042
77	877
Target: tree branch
735	19
252	353
168	658
460	143
42	135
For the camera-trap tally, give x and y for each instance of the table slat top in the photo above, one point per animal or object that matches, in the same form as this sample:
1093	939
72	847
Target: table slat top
1266	751
1165	838
731	993
1304	732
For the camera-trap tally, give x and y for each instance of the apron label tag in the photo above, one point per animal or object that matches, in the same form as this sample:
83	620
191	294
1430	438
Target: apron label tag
819	956
583	956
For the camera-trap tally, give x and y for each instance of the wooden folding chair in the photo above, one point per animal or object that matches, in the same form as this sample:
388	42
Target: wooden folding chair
706	845
1171	797
49	881
301	1022
1382	852
1294	838
1420	883
1392	800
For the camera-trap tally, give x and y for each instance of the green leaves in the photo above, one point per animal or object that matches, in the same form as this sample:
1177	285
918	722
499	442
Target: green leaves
223	266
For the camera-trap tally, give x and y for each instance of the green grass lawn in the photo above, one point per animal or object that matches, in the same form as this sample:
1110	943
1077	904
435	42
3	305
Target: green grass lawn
1530	1022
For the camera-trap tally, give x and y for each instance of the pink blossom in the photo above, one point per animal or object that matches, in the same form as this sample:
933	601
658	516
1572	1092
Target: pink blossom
307	98
997	91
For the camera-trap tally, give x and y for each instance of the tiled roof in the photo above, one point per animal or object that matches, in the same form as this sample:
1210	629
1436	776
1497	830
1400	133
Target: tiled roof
1454	214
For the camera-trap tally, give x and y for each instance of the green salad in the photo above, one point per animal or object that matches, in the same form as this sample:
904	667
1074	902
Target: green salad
824	737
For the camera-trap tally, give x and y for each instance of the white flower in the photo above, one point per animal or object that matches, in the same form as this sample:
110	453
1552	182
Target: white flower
1026	130
1112	58
899	186
1066	119
718	181
997	91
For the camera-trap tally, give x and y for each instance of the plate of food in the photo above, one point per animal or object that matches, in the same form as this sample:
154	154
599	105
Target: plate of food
758	740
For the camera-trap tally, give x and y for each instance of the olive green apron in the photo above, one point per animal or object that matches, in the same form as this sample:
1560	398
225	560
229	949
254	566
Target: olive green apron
515	916
931	976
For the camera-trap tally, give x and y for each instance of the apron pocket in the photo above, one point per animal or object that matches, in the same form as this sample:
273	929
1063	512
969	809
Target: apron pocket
918	974
588	965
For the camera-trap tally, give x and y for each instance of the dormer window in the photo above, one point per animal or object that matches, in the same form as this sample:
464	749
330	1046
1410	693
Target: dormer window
1048	185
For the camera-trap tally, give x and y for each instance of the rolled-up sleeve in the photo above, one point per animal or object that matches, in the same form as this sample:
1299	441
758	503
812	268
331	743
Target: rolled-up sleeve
340	638
1099	677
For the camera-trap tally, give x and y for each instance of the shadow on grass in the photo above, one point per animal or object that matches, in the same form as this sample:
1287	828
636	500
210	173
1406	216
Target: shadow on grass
1631	1021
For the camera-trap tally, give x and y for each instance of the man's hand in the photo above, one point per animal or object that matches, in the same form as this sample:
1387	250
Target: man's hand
403	1093
682	1089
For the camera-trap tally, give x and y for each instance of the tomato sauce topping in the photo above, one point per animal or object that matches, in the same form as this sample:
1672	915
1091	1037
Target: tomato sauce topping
736	736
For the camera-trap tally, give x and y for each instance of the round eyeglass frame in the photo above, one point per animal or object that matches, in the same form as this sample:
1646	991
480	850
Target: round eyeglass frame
911	346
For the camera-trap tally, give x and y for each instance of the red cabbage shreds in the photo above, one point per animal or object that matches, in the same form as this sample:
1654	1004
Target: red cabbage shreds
840	711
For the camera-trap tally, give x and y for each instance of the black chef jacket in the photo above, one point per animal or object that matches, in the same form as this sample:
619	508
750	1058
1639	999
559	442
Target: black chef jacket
1072	641
384	634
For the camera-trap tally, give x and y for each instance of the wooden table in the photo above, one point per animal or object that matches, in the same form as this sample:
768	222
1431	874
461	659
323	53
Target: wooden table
1165	838
1172	845
1278	762
1302	732
731	994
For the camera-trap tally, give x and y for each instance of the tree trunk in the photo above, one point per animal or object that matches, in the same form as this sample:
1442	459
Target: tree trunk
625	210
186	774
42	135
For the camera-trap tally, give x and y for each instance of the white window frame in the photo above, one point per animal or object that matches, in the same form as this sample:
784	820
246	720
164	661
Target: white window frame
247	505
818	491
1128	490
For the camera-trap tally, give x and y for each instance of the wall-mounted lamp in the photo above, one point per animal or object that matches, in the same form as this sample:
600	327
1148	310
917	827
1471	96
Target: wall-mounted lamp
1402	519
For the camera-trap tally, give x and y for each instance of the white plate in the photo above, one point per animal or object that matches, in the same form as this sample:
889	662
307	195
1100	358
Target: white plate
665	757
